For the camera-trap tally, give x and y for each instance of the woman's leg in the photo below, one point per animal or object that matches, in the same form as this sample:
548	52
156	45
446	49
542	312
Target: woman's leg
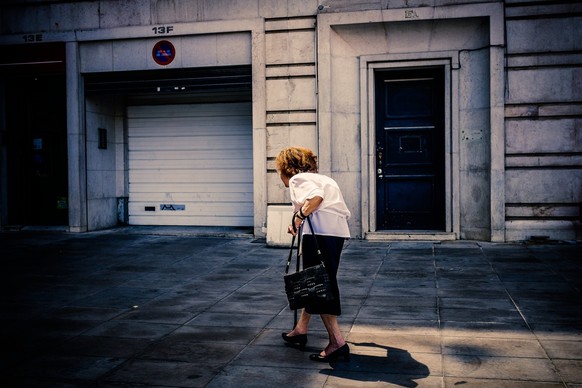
302	324
336	340
331	248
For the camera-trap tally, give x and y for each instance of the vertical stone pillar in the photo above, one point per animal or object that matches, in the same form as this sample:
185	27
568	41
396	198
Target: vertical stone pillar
259	132
497	103
76	143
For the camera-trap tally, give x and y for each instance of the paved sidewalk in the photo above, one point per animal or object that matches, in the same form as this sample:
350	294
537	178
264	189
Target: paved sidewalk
129	307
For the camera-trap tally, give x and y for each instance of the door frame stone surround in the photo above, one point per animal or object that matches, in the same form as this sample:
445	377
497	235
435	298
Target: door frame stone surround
494	13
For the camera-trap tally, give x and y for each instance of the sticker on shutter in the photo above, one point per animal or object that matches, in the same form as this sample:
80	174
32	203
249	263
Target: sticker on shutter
172	207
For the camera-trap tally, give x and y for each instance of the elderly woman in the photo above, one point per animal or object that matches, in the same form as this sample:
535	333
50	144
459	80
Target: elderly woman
318	196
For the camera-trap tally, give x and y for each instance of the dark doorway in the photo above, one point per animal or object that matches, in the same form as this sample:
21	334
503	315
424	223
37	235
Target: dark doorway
410	169
37	172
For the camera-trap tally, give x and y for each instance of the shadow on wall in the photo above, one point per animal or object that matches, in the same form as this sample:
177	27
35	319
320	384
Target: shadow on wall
398	367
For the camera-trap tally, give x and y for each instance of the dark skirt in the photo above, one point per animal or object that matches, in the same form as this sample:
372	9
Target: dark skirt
331	248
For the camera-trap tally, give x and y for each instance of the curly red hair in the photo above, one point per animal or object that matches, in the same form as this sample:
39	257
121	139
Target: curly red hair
294	160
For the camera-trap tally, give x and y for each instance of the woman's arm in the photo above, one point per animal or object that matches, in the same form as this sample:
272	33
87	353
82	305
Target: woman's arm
309	206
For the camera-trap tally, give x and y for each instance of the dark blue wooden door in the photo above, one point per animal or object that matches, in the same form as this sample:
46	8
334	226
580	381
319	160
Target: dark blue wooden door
410	149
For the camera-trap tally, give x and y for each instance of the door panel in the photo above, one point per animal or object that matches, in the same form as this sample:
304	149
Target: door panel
410	149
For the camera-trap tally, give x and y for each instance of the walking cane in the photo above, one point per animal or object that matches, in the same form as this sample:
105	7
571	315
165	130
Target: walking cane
297	266
299	254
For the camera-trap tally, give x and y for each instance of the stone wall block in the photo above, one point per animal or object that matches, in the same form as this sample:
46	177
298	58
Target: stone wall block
121	163
346	87
290	94
543	185
330	6
474	89
542	84
296	23
26	19
349	184
474	139
130	54
475	156
277	192
551	135
230	9
102	213
232	49
199	50
474	202
102	174
103	159
171	11
74	16
576	84
290	47
543	160
96	56
547	59
345	138
99	183
290	71
122	13
191	51
416	36
304	136
540	35
537	210
555	230
288	117
285	8
277	139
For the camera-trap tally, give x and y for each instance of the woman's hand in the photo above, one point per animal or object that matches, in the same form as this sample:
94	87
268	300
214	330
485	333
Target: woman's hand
295	225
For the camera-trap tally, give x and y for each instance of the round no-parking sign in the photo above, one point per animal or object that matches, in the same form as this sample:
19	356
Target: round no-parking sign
163	52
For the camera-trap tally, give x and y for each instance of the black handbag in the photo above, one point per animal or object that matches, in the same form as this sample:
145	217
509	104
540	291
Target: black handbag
307	285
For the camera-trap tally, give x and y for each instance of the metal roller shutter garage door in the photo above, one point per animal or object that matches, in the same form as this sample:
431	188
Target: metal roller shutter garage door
190	164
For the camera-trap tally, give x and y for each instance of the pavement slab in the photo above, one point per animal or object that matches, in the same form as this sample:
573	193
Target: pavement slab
169	307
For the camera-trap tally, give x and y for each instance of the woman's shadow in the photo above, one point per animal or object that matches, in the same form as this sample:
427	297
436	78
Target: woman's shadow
397	367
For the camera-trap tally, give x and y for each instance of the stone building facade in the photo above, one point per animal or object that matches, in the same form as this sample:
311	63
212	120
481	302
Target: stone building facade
439	119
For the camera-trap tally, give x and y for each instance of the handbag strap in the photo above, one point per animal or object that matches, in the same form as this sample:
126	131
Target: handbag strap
298	235
319	254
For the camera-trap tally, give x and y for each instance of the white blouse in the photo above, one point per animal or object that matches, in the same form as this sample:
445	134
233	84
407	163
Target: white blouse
330	218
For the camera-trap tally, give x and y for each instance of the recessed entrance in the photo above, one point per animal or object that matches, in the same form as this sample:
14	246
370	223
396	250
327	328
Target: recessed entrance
33	148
